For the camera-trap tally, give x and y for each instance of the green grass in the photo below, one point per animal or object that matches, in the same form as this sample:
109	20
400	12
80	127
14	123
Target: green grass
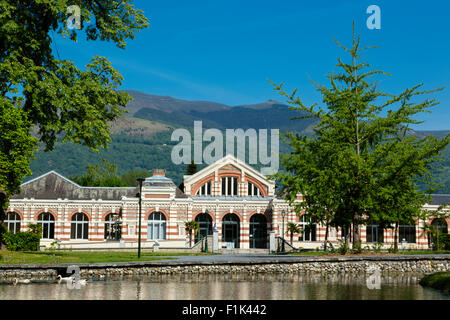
43	257
439	281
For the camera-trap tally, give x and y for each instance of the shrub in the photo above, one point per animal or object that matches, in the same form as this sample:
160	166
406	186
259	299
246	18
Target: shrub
444	241
22	241
3	230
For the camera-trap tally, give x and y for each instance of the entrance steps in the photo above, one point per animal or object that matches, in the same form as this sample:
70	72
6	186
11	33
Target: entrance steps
245	251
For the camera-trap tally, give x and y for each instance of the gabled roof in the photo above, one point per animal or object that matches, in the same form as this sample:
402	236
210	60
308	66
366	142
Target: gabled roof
53	185
228	159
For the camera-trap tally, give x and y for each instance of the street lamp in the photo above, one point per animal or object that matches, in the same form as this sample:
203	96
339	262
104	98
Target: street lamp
283	214
140	180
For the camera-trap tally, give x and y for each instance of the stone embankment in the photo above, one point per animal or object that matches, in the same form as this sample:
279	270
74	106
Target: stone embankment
318	265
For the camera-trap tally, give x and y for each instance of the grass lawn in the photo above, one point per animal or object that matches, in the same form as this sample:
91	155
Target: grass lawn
31	257
439	281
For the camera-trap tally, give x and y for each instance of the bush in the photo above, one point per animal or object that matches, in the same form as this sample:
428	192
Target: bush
21	241
3	230
444	241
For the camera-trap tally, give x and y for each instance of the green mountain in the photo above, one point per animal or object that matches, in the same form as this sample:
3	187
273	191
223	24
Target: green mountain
141	138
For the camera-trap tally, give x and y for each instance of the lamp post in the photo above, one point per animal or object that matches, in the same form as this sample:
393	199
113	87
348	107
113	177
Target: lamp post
140	180
283	214
207	231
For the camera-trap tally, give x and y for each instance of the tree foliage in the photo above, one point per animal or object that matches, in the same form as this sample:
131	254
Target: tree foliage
359	164
53	95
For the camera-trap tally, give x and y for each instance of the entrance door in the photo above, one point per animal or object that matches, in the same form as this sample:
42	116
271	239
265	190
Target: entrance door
258	231
230	229
204	221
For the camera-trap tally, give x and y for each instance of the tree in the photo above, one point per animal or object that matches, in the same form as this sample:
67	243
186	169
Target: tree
292	228
359	164
100	175
16	150
191	168
130	178
51	94
191	227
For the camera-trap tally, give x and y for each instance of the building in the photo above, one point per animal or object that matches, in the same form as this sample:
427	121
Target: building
228	195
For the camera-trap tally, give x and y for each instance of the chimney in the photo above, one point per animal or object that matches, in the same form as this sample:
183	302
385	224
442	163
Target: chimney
159	172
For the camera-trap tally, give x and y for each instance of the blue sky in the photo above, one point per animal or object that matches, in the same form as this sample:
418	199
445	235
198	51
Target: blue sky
224	51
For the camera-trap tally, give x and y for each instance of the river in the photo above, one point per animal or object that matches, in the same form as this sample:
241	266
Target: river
228	286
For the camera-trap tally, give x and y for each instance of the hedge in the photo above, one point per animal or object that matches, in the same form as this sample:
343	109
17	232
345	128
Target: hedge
21	241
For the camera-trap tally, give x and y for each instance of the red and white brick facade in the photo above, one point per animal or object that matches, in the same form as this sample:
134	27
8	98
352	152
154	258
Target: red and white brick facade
63	198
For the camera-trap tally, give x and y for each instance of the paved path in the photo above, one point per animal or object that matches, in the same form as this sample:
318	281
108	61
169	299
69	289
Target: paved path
228	259
258	258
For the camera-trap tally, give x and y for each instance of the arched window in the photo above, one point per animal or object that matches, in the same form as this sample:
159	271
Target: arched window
253	190
407	232
229	186
12	222
79	226
47	222
204	190
113	227
204	221
156	228
308	230
440	224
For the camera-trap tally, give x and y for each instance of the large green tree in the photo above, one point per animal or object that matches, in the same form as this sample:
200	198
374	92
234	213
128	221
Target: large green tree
359	164
49	93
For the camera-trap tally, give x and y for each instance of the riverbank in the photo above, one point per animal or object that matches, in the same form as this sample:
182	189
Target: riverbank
224	264
439	281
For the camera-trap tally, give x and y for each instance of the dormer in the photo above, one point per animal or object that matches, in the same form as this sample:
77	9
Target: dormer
228	177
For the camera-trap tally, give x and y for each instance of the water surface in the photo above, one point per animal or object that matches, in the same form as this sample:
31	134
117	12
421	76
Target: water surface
239	286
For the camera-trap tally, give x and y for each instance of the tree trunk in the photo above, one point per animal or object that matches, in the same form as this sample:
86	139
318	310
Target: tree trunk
356	235
292	237
396	237
326	237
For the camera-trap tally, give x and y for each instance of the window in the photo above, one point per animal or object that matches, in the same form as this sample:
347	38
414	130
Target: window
79	227
156	228
12	222
47	222
408	233
253	190
308	230
229	186
374	234
113	228
205	190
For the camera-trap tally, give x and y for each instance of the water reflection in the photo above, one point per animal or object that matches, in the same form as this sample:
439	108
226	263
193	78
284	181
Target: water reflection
237	286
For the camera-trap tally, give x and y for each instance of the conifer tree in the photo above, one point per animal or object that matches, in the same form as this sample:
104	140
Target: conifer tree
359	164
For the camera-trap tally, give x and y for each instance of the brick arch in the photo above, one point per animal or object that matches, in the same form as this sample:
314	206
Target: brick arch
69	219
200	183
36	215
16	211
251	214
264	189
149	212
222	215
194	215
104	215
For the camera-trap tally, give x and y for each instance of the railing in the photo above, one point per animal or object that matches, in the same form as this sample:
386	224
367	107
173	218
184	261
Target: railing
283	246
